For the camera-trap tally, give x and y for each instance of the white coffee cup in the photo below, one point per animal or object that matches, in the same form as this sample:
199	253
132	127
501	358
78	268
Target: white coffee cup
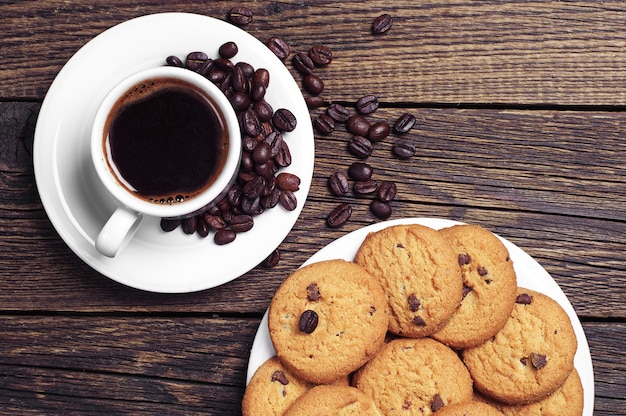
132	203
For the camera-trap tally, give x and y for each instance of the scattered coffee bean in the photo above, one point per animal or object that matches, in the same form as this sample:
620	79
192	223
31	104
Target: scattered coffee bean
168	224
403	149
313	84
288	200
338	183
360	147
382	24
202	227
195	59
224	236
241	223
320	55
338	112
386	191
404	123
215	222
367	104
174	61
380	209
228	50
288	182
314	101
271	260
364	188
303	63
284	120
190	225
261	153
279	46
379	131
360	171
339	215
240	16
308	321
261	77
263	110
324	124
358	125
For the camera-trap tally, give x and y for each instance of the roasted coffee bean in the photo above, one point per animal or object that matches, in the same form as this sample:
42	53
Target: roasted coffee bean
360	171
169	224
358	125
363	188
288	181
224	236
262	153
238	80
240	16
270	200
279	46
338	183
283	157
228	50
367	104
360	147
257	92
379	131
241	223
264	110
314	101
247	164
338	112
261	77
382	24
190	225
266	170
403	149
248	70
303	63
195	59
284	120
387	191
404	123
202	228
339	215
324	124
174	60
272	260
216	75
288	200
250	123
380	209
224	64
320	55
274	140
270	186
308	321
251	206
253	188
313	84
206	68
240	101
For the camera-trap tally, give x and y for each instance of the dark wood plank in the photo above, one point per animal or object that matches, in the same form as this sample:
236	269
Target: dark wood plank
179	365
552	52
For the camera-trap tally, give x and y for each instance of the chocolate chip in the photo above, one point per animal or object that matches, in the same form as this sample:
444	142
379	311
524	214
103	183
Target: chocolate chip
524	299
280	377
308	321
464	259
419	321
313	292
414	303
466	290
482	271
538	360
437	403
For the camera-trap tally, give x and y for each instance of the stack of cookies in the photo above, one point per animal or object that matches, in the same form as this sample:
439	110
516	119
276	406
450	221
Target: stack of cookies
422	321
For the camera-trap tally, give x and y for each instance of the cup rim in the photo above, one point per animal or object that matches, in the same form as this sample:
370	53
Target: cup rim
222	182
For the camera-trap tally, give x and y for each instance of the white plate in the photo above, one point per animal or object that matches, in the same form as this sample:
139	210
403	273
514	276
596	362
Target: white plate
67	183
529	275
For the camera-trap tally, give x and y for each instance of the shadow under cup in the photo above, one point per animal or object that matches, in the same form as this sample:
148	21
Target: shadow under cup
169	143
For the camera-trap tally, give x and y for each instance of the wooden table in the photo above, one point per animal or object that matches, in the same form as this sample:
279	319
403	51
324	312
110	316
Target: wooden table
520	108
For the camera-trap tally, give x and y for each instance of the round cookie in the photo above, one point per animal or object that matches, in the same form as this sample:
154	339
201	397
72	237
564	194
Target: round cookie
472	408
420	274
414	377
333	400
568	400
327	319
272	389
531	357
489	287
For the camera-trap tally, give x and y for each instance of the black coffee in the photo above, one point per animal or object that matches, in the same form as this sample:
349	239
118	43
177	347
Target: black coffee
166	141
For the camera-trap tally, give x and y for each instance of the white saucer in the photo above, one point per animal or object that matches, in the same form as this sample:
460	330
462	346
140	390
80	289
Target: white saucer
530	275
76	203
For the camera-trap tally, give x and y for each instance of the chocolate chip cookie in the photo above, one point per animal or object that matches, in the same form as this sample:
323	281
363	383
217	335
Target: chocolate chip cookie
333	400
472	408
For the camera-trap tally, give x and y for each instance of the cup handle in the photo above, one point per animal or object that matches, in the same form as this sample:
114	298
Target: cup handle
117	231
